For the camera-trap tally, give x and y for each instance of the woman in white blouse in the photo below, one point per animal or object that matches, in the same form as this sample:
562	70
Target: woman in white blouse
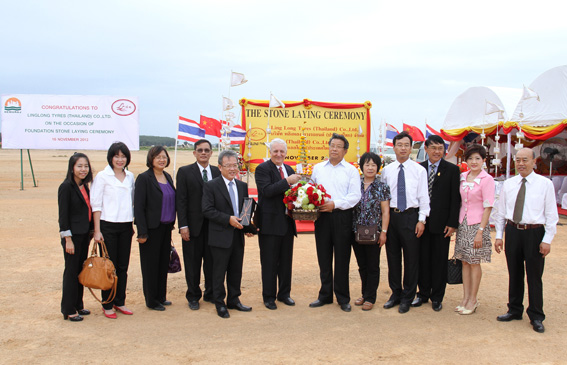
112	197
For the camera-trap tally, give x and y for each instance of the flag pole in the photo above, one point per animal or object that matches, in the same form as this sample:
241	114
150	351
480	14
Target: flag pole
268	130
175	154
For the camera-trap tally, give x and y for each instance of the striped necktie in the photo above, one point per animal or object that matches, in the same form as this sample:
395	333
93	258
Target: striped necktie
401	189
431	179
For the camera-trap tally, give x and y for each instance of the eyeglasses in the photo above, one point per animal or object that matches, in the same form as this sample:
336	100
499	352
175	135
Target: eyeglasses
160	158
335	147
233	166
203	150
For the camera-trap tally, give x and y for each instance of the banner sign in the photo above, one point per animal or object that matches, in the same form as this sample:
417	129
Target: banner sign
76	122
316	121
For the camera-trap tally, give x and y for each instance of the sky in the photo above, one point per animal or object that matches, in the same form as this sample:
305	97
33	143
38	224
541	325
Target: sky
411	59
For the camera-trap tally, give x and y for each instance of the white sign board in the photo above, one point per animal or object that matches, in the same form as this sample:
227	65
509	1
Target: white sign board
76	122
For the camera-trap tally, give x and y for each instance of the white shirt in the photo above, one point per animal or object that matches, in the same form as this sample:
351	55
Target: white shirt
112	198
285	175
540	206
226	181
342	182
417	194
209	173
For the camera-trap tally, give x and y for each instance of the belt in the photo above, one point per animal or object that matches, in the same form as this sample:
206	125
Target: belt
409	210
523	226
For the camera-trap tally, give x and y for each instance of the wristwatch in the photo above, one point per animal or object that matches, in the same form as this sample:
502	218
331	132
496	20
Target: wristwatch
480	229
422	222
384	231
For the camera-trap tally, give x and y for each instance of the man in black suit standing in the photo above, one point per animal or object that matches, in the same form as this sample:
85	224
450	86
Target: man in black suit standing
277	229
194	227
445	201
223	198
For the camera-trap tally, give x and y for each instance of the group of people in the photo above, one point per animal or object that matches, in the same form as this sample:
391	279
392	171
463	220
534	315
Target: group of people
414	209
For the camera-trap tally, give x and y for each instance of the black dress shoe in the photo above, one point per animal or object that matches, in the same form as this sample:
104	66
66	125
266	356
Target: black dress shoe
193	305
158	307
78	318
437	306
287	301
239	307
391	303
404	308
508	317
166	302
223	312
271	305
318	303
417	302
346	307
536	324
84	312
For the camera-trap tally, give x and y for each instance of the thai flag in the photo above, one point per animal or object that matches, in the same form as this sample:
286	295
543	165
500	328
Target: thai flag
429	131
391	132
237	135
189	130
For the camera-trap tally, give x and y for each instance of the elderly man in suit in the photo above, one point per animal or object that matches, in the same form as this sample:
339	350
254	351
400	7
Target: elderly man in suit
277	229
445	202
223	198
193	226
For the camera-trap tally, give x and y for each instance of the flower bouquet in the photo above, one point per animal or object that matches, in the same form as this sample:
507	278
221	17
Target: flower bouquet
303	200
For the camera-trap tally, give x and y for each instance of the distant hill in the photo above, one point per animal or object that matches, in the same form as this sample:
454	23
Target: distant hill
146	141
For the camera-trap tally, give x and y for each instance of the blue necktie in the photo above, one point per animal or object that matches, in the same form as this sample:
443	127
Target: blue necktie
233	198
401	189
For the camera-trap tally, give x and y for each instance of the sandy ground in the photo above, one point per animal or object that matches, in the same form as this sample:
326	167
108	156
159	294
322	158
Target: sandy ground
33	330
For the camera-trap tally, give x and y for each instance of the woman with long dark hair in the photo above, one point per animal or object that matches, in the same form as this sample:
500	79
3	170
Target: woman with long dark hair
75	224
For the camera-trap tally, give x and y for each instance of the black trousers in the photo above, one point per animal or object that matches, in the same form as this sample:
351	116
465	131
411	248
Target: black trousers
368	259
401	237
195	252
227	262
522	247
72	298
276	257
333	234
154	262
433	256
118	240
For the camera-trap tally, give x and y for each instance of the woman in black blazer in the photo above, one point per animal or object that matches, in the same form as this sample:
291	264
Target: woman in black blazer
154	213
75	224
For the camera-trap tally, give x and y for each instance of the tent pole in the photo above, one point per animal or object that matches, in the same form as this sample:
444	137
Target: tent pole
31	167
508	158
21	170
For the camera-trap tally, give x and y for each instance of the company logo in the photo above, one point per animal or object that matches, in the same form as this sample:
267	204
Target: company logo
256	134
123	107
13	105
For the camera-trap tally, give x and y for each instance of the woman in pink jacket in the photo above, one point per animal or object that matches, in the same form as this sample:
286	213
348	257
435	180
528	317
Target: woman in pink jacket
473	245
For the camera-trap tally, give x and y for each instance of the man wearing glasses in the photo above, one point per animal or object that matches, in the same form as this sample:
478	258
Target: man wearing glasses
333	229
193	225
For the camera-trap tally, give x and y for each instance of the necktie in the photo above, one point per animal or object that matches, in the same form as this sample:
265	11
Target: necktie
205	177
401	189
519	207
281	173
233	198
431	178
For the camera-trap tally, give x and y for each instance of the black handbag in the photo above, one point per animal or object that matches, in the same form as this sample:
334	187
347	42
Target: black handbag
366	235
174	262
454	271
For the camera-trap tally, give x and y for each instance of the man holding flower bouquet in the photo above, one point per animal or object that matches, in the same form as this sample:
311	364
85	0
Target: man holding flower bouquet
333	229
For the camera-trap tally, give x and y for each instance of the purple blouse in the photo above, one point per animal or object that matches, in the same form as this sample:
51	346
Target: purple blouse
167	204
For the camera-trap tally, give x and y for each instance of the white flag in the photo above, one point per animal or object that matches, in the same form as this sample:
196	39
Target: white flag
492	108
275	102
227	104
229	115
237	79
529	94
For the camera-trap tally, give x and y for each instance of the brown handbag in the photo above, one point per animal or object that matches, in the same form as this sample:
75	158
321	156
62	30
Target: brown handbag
366	235
99	273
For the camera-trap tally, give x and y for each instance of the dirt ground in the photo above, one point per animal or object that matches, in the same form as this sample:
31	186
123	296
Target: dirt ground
33	330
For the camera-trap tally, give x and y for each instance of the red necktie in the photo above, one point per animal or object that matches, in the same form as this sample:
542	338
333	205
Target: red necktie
281	173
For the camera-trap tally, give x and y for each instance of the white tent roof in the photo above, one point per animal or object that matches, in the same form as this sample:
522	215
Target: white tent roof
468	109
551	86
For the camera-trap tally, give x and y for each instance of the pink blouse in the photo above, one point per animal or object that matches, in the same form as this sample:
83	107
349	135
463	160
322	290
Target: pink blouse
475	196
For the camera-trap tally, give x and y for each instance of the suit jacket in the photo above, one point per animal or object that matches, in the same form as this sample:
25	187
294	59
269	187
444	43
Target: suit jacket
148	199
190	195
270	214
445	199
217	208
73	209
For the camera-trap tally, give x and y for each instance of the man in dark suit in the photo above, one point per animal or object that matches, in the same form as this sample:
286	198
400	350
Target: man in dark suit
194	227
445	202
223	198
277	229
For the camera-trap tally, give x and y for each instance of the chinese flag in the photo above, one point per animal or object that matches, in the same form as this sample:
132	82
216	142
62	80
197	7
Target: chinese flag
414	132
211	126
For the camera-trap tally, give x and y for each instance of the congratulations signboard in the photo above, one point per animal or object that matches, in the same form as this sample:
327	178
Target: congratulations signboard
317	121
79	122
